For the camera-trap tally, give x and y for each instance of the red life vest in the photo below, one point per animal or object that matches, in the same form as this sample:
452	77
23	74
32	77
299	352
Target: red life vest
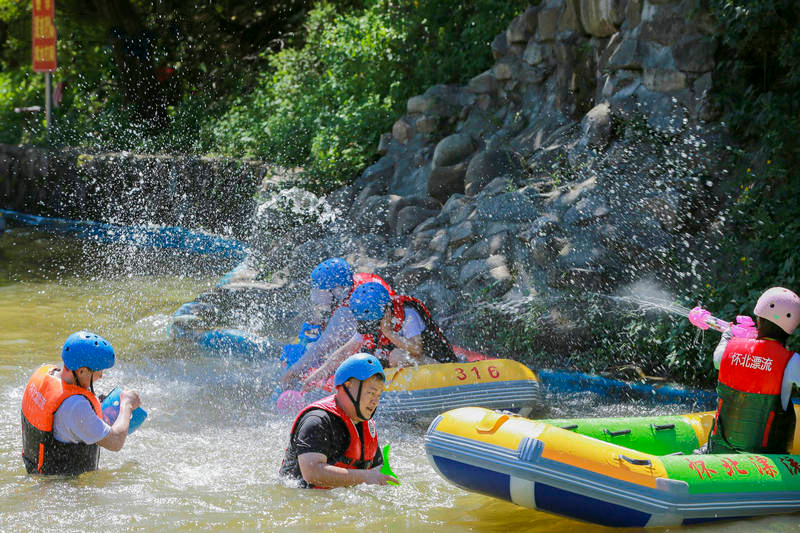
434	343
358	455
750	416
42	453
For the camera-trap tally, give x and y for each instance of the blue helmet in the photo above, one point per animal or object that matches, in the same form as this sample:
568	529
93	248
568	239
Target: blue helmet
87	349
368	301
361	366
333	272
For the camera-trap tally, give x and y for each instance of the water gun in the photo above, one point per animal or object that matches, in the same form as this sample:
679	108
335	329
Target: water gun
110	410
386	469
291	353
744	327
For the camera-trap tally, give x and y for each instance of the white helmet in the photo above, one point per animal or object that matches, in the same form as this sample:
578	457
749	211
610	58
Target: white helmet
780	306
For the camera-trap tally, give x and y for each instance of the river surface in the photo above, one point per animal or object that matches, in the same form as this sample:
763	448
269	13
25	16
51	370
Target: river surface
207	457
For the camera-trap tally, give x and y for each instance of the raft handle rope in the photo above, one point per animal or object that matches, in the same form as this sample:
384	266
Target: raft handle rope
637	462
617	433
658	427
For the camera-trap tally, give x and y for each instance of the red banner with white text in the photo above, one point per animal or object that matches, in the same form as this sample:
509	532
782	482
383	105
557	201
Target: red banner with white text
44	36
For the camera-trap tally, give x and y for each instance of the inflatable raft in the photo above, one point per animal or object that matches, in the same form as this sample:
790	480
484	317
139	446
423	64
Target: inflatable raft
420	393
160	237
627	472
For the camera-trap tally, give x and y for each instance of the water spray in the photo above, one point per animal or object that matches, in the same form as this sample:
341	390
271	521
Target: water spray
649	303
744	326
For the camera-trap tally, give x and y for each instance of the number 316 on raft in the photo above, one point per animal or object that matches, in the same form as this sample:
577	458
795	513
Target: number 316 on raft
462	374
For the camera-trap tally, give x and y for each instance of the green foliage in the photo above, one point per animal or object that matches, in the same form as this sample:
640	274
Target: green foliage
759	76
321	102
20	89
758	81
115	60
509	333
323	106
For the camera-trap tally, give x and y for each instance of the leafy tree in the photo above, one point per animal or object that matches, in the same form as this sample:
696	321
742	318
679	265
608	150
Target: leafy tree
148	55
323	104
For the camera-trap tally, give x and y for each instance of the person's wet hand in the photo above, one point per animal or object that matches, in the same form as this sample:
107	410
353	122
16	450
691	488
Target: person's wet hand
386	324
287	378
374	476
399	358
131	397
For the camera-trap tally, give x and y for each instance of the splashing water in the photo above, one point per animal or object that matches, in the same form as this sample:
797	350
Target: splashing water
649	303
207	458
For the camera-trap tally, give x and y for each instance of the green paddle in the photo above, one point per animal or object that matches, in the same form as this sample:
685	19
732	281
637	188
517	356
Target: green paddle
386	469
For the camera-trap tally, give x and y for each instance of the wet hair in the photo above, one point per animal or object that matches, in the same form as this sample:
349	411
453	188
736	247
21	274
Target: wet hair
770	330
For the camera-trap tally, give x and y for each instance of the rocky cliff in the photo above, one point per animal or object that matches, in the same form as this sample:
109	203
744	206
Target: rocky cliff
587	158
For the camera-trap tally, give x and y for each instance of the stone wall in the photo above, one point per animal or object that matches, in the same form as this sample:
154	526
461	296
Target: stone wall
584	160
201	193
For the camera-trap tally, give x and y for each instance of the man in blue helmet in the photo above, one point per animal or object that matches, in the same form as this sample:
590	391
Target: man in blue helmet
333	442
332	283
399	330
62	424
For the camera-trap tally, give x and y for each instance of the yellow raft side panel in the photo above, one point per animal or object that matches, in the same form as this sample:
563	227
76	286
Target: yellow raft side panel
454	374
701	423
795	447
599	456
485	425
566	447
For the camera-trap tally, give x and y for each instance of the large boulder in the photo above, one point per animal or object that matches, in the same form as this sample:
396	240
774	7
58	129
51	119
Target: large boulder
410	217
483	83
453	149
437	297
601	18
372	216
402	131
381	171
508	207
695	53
596	126
522	26
443	182
488	165
499	45
490	275
628	55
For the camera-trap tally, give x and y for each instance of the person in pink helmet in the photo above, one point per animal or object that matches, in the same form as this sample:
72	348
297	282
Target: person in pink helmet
756	377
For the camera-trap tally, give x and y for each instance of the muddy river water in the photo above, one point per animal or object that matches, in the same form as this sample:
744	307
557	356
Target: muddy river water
207	457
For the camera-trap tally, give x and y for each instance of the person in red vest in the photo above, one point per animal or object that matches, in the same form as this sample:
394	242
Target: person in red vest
333	441
62	425
398	330
756	377
332	283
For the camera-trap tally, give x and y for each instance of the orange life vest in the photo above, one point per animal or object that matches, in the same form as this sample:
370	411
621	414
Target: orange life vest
42	453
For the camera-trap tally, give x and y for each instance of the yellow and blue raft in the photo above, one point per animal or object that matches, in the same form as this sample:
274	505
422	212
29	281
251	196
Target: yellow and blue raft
627	472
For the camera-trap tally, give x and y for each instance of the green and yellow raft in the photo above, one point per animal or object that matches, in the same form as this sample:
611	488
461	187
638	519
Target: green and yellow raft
629	472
